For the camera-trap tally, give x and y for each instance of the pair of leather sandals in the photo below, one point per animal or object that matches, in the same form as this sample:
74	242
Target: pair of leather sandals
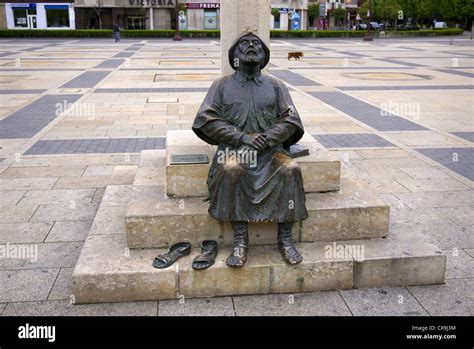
182	249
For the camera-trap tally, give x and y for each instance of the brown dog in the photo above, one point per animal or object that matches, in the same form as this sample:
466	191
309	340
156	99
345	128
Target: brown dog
295	55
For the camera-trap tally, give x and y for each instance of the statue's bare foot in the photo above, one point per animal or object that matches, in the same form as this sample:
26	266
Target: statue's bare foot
238	257
289	252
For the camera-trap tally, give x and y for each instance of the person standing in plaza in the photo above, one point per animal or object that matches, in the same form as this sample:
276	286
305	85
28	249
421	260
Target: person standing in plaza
116	29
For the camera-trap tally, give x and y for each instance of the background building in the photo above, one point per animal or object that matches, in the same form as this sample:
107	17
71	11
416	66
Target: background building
147	14
129	14
160	14
53	14
289	15
202	15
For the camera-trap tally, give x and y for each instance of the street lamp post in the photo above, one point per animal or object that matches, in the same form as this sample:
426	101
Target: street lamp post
368	36
177	35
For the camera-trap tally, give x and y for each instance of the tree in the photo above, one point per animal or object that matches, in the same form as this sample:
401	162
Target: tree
425	12
98	11
465	12
339	15
386	10
313	12
363	10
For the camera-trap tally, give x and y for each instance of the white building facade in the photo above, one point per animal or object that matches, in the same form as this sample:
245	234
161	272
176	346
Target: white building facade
40	15
292	15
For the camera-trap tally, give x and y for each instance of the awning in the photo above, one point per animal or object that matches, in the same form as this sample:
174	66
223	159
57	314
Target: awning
56	7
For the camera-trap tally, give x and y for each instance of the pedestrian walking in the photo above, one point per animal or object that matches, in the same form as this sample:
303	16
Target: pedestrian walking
116	29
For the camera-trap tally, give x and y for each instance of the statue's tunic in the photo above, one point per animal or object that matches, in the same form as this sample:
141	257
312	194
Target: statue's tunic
271	189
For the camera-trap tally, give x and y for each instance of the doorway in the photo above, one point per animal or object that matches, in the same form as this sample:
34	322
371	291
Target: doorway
32	24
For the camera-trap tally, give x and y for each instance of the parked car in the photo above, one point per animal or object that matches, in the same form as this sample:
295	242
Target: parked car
375	26
408	26
440	25
361	26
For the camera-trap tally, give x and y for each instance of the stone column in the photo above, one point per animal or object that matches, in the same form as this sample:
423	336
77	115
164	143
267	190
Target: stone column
151	19
284	21
304	20
239	16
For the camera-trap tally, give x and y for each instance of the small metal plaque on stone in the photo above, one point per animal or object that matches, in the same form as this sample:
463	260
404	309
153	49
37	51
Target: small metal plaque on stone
192	159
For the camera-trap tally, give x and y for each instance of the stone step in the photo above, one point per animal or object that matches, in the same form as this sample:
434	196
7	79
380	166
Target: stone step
321	172
353	212
107	271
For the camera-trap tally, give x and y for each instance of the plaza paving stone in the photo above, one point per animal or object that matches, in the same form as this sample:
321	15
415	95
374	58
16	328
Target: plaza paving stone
382	302
455	72
56	165
466	135
124	54
65	308
111	63
366	113
396	61
293	78
28	121
87	79
221	306
452	299
355	140
405	88
95	146
22	92
69	231
302	304
26	285
155	90
460	160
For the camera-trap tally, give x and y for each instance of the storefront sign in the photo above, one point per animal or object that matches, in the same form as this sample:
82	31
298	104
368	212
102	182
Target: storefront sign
152	3
23	5
202	5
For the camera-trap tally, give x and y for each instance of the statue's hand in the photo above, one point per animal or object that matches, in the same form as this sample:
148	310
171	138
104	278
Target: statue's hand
254	140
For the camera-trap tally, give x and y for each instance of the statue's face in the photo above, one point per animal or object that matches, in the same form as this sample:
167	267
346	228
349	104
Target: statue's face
250	50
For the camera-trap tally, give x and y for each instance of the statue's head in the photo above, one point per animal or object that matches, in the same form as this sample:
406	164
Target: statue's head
249	49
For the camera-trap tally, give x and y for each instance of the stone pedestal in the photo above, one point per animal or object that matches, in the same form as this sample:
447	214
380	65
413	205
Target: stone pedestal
344	242
239	16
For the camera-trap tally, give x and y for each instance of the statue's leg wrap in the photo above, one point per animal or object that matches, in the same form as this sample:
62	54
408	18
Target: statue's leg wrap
240	247
285	244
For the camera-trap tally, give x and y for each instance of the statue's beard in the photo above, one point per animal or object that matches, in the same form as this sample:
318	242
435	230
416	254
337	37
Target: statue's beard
251	58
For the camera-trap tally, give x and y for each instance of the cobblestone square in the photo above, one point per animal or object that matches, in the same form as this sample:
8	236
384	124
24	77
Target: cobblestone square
75	114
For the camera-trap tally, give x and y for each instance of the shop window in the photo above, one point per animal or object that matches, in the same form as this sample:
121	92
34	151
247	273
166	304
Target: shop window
136	23
210	19
57	16
20	17
276	16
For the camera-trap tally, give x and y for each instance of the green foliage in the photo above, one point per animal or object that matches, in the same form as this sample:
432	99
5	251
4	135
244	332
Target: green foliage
313	10
358	33
164	33
363	10
275	12
385	10
421	11
315	33
428	32
59	33
339	14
